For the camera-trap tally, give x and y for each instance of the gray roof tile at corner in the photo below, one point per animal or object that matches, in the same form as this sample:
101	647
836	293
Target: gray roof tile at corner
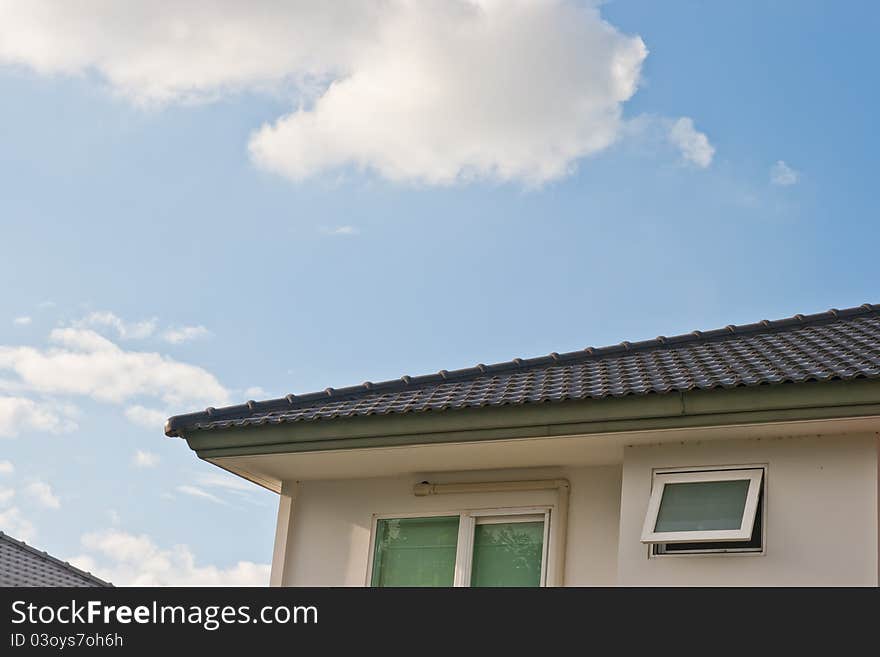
24	565
838	344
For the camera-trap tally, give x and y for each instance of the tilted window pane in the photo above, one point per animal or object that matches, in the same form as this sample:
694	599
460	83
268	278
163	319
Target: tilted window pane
701	506
508	554
415	551
754	544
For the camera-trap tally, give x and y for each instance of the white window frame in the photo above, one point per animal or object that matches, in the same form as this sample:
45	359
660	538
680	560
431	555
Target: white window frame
467	522
755	476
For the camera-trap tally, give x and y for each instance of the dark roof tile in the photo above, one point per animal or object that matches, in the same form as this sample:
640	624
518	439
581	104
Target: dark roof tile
23	565
838	344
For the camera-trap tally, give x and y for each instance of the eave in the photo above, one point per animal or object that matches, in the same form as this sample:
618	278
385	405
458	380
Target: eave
787	402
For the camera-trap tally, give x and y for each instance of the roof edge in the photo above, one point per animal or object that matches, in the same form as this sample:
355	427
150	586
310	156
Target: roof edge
48	557
766	403
177	424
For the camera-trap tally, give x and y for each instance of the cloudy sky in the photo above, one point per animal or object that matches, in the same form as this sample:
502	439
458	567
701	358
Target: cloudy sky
212	201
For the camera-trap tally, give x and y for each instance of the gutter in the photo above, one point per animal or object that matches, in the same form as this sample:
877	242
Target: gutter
788	402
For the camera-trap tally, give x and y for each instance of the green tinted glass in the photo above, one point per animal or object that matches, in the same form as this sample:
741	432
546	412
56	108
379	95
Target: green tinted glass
415	551
702	505
508	554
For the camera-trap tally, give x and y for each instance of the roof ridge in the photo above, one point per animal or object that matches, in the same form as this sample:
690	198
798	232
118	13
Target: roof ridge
178	422
48	557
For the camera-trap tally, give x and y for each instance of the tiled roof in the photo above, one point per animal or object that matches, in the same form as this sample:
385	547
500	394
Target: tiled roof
838	344
23	565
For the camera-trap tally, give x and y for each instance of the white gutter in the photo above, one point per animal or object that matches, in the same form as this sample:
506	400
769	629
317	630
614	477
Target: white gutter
562	487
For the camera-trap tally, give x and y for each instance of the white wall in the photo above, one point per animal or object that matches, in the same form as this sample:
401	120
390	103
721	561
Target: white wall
821	506
821	516
329	536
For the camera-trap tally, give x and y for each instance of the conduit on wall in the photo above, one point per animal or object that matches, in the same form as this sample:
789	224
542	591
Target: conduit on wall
562	487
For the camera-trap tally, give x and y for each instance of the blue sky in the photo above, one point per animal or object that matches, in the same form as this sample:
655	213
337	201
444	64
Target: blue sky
220	261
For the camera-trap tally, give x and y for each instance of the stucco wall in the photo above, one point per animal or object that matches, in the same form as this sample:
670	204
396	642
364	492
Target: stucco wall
821	502
329	538
821	513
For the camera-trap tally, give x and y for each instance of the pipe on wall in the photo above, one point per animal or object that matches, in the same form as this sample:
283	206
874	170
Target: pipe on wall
562	486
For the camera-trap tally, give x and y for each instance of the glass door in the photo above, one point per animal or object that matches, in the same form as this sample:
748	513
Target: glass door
508	551
415	551
498	547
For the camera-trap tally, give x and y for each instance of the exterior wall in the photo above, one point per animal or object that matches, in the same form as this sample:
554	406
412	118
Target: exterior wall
821	499
328	540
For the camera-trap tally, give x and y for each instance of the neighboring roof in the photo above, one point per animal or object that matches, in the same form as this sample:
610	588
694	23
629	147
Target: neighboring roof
834	345
23	565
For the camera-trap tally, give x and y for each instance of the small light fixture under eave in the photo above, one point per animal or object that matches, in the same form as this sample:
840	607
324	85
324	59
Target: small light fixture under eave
703	506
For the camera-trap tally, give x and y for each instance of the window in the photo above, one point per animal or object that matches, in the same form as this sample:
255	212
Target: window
706	511
478	548
415	551
508	551
754	545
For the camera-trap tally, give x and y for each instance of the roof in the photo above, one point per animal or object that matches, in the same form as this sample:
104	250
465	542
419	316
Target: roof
23	565
833	345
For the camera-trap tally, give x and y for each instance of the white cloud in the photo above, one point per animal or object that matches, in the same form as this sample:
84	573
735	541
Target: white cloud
81	362
19	414
254	392
221	480
124	330
342	231
150	418
6	467
491	90
135	560
17	526
21	321
160	50
507	91
693	144
783	175
6	495
195	491
185	334
43	494
145	459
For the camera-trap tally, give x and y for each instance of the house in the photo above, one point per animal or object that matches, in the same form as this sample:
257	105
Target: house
23	565
746	455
